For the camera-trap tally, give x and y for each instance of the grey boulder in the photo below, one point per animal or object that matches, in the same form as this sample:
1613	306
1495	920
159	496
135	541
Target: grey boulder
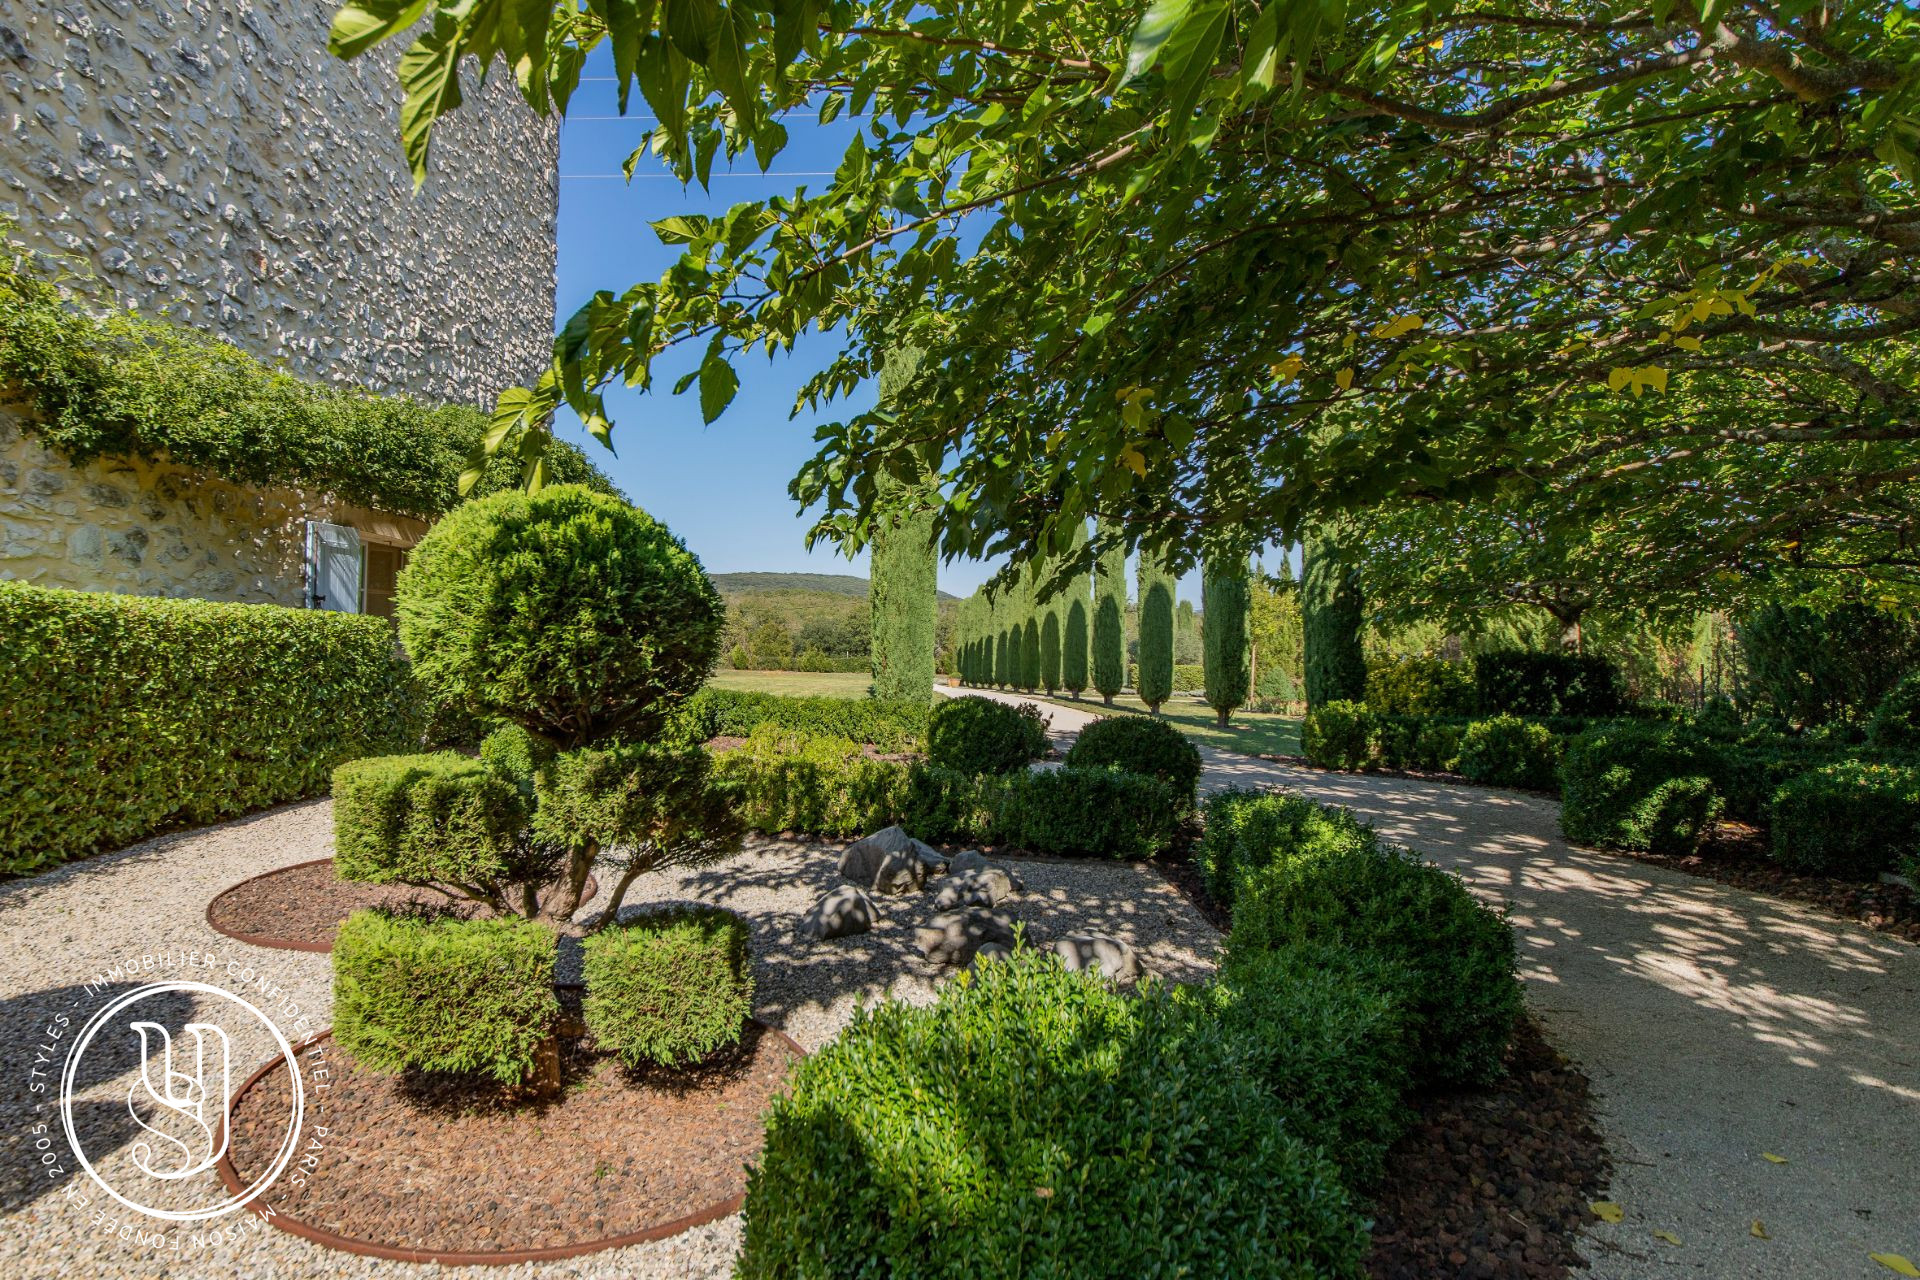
953	937
977	887
840	913
970	860
889	861
990	951
1111	958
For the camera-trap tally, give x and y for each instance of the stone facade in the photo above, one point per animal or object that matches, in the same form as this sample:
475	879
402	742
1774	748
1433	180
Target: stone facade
210	159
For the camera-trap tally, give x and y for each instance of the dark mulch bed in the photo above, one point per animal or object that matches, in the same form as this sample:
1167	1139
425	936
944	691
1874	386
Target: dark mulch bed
447	1164
1493	1184
1487	1185
303	906
1736	854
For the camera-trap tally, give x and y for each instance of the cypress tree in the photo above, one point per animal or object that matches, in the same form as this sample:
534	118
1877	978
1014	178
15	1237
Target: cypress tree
1016	658
1155	682
1030	655
1075	609
903	594
1224	596
1002	656
1331	616
1109	649
1050	649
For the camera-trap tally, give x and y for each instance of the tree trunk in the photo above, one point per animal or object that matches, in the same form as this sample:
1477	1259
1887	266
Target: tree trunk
543	1077
579	867
1223	714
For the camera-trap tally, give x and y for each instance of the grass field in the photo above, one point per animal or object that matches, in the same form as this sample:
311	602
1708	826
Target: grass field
1251	732
796	684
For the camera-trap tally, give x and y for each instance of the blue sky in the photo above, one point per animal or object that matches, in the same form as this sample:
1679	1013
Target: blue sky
722	487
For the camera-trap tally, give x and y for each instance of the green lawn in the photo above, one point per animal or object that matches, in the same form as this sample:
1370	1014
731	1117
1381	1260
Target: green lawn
1251	732
796	684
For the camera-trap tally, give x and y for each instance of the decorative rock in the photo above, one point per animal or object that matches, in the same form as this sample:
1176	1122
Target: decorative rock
888	861
1113	959
955	937
970	860
990	949
840	913
978	887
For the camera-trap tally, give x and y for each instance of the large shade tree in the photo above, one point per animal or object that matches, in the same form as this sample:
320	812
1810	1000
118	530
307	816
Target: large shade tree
1657	255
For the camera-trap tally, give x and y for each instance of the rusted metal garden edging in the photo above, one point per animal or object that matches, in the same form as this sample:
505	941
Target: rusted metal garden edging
587	892
283	1221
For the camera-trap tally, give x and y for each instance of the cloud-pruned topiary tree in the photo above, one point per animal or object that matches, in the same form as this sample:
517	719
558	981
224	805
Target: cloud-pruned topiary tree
1331	616
1109	645
1155	681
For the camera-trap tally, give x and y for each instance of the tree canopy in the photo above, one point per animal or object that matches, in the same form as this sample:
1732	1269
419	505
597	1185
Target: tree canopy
1643	267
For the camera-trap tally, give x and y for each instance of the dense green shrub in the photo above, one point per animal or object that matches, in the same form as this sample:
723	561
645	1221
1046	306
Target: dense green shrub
1034	1123
792	781
1506	751
443	994
1461	994
443	818
1140	745
1419	687
1812	667
1322	1029
1436	745
1634	785
565	611
946	805
670	987
1338	735
1246	830
982	735
1896	721
125	715
102	381
735	713
1103	812
1527	683
1849	818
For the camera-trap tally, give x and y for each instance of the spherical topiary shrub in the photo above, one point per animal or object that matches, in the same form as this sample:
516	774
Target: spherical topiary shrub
1033	1122
1506	751
979	735
566	611
670	987
1140	745
1896	721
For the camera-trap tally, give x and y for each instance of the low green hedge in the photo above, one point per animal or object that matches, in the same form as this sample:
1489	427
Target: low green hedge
1140	744
1530	683
1502	750
443	817
1642	786
1506	751
1850	818
1420	687
1457	957
788	781
1035	1123
981	735
670	987
126	715
736	713
1324	1031
1245	831
443	994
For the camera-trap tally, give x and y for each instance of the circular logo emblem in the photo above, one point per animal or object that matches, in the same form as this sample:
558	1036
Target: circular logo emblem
179	1097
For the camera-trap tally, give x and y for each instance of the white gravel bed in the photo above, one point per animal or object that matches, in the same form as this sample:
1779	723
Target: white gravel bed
61	930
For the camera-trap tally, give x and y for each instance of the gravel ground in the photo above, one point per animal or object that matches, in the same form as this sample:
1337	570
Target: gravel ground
64	930
1717	1025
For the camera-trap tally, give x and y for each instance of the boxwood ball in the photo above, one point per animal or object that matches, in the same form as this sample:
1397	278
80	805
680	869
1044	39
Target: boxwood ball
566	611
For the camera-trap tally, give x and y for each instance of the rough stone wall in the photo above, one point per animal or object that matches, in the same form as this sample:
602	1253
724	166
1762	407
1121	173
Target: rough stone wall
209	157
156	529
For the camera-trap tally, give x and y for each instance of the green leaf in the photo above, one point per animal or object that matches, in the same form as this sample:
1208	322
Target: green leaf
664	77
692	25
1157	25
718	384
628	24
429	72
358	27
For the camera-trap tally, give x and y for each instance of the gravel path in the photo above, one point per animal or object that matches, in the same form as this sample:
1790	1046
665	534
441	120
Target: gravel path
62	930
1718	1026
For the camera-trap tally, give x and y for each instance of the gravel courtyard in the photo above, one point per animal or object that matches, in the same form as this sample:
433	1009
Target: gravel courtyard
63	929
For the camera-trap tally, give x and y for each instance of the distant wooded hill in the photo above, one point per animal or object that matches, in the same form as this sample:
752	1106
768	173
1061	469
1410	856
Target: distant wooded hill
839	584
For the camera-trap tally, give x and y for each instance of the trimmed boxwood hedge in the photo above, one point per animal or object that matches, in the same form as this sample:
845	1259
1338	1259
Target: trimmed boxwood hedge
1140	744
443	994
442	817
670	987
126	715
1033	1123
1639	785
1099	812
1506	751
1849	818
983	735
736	713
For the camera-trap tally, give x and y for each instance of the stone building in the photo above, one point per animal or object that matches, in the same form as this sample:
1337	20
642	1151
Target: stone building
210	159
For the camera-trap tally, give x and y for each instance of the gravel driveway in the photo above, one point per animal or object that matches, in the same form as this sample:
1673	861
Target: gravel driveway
63	930
1718	1027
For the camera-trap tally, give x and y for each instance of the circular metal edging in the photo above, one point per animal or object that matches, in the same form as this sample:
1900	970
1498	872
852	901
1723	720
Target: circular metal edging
230	1177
